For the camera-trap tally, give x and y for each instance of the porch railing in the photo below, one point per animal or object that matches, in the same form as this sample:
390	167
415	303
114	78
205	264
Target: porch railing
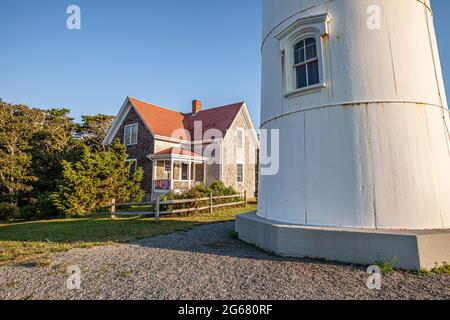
241	200
162	184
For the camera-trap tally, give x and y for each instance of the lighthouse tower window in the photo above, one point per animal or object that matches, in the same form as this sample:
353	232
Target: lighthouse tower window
306	63
303	50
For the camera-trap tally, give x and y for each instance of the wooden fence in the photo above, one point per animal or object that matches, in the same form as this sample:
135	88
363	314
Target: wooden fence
158	203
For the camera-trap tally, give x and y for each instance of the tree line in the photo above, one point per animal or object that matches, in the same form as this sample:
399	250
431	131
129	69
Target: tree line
51	166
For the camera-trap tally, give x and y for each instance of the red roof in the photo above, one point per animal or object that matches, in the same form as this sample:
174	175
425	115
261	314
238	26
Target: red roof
177	151
164	122
161	121
220	118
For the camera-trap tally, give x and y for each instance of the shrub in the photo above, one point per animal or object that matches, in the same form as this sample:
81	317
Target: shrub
8	211
28	212
233	234
219	189
37	208
200	191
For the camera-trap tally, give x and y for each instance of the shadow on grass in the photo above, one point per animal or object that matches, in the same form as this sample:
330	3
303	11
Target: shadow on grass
90	230
22	240
101	228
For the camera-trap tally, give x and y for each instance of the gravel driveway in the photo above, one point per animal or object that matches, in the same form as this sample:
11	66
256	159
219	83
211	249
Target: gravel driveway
205	263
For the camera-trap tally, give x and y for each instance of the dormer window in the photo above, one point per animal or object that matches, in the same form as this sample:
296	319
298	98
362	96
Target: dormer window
306	63
130	134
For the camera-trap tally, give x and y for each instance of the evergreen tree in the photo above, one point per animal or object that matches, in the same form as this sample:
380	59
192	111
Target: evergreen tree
96	179
51	145
93	130
18	124
50	164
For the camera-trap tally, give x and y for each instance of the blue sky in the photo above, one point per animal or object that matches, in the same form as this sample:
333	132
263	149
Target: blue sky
166	52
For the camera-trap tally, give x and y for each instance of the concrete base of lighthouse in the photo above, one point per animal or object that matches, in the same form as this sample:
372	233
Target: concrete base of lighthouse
411	249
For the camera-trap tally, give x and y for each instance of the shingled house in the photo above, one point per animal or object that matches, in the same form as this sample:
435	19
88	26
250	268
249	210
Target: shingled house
178	151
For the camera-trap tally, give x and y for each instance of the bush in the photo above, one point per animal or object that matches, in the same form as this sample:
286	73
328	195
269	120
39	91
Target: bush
37	208
219	189
233	234
28	212
200	191
8	211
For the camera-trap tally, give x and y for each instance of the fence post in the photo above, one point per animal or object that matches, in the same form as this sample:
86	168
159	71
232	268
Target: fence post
157	209
113	209
211	203
245	198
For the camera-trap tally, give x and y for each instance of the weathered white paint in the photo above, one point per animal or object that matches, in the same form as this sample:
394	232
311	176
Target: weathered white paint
371	149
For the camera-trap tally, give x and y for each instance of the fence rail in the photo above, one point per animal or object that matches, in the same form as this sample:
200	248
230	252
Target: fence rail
158	203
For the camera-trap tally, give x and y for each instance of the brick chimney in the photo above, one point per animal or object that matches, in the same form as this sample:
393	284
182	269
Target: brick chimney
196	106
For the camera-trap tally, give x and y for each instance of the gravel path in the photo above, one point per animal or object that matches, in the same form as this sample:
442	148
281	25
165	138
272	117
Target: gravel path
205	263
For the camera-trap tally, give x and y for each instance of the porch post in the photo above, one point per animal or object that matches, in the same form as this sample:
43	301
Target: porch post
171	174
113	209
204	172
189	174
154	165
195	167
158	198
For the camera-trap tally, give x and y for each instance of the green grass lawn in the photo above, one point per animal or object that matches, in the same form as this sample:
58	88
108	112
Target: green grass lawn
33	241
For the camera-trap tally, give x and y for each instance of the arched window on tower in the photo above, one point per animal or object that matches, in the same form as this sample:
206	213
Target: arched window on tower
306	63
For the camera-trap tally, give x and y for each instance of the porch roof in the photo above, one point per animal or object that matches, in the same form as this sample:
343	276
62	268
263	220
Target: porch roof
176	153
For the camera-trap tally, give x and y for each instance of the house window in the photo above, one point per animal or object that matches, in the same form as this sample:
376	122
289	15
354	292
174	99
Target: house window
184	172
240	138
167	166
132	167
306	63
131	134
240	173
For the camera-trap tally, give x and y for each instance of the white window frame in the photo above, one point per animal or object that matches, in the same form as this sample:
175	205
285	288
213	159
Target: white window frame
135	165
130	127
188	171
180	174
237	173
310	27
167	165
240	131
305	63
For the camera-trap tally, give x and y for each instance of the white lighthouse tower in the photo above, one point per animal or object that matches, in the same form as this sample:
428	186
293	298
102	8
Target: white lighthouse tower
356	91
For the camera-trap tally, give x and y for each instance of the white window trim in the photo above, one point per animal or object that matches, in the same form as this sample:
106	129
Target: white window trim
188	172
243	138
180	175
290	80
243	173
135	165
166	164
309	27
131	134
305	63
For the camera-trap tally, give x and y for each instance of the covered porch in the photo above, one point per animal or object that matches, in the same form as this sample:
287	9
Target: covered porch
177	170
